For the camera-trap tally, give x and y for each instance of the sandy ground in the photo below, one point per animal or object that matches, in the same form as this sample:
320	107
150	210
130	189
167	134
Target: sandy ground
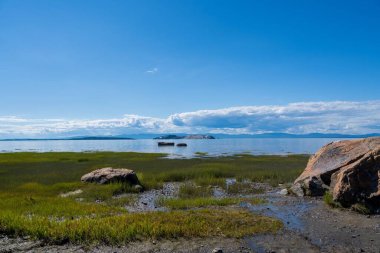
310	226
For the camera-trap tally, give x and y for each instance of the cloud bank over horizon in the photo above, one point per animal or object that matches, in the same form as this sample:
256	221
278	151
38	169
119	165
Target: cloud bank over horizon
344	117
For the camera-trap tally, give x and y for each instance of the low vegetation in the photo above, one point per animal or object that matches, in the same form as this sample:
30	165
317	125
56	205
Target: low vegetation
328	199
358	207
190	190
153	170
32	184
243	188
361	208
205	202
128	227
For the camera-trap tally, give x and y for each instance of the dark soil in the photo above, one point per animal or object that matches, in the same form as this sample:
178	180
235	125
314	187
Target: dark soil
312	226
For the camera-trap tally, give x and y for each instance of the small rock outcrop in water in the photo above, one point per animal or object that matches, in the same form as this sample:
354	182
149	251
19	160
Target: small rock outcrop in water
181	145
111	175
165	143
349	169
190	136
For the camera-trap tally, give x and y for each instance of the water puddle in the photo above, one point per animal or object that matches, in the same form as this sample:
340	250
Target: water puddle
285	208
230	181
147	201
288	209
219	192
255	247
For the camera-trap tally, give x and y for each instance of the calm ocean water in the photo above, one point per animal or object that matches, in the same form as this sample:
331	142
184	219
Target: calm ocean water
211	147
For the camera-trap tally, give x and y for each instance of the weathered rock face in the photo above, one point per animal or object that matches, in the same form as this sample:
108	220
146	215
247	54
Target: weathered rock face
111	175
349	169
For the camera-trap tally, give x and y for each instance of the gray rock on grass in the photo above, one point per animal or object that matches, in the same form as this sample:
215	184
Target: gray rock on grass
111	175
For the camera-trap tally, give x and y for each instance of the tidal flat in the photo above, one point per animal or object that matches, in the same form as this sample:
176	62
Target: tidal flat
231	202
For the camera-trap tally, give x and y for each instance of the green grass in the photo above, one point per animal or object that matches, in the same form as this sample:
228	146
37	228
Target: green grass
205	202
201	153
122	201
361	208
53	167
243	188
210	181
120	229
54	207
31	184
95	192
190	190
328	199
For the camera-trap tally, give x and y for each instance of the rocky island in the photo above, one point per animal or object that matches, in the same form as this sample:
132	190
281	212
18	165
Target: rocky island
190	136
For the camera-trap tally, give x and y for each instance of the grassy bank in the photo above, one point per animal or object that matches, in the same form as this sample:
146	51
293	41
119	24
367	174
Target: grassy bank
31	184
51	168
206	202
128	227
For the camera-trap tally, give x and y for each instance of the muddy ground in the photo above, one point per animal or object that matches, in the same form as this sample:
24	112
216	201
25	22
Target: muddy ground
310	226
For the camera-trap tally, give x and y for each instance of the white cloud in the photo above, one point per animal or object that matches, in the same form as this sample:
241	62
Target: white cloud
152	71
10	119
306	117
332	117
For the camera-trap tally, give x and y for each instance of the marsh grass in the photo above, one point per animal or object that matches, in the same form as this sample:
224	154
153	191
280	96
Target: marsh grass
361	208
96	192
60	167
243	188
328	199
210	181
31	184
54	207
205	202
190	190
201	153
128	227
122	201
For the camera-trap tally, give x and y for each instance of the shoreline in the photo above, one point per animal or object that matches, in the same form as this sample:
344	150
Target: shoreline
47	185
321	229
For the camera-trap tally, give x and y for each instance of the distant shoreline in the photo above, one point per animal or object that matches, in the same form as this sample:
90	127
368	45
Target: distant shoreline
214	136
72	139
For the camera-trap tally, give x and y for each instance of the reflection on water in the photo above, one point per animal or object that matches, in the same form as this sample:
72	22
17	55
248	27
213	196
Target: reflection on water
211	147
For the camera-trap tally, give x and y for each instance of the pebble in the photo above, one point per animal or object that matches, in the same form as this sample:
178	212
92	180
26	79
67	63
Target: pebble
217	250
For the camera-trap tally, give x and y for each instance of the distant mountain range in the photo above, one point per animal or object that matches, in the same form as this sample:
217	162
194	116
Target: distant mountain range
201	136
72	138
286	135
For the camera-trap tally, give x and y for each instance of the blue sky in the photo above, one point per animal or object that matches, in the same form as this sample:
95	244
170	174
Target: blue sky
79	62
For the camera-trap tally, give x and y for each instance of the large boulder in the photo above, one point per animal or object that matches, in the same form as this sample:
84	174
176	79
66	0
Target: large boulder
349	169
111	175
